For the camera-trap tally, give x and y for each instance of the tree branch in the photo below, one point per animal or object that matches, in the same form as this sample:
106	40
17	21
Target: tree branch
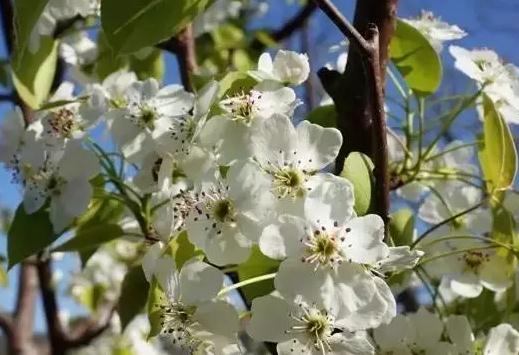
344	26
290	27
372	80
60	341
50	307
183	46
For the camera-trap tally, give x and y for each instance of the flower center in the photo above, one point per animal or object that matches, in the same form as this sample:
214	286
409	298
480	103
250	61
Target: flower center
288	182
474	259
62	122
242	106
316	324
55	184
177	321
223	210
147	116
323	249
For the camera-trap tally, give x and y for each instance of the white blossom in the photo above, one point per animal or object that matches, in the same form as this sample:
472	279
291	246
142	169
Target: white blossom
436	30
288	67
302	326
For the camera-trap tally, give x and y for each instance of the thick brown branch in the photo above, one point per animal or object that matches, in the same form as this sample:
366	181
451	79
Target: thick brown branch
372	81
379	149
183	46
290	27
50	307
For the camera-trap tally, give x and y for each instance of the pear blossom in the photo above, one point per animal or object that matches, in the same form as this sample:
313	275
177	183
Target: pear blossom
288	67
69	121
415	333
328	249
301	326
503	340
451	199
64	179
223	218
12	132
292	157
191	315
469	265
56	11
436	30
148	113
499	81
229	134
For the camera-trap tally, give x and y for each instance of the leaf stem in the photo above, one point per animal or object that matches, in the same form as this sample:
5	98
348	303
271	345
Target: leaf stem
245	283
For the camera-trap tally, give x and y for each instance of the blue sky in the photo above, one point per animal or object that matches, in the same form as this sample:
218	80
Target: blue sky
491	24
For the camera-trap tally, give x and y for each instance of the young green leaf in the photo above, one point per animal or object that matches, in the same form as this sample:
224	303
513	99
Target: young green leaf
325	116
415	59
28	235
91	237
156	298
181	250
401	227
358	169
26	15
257	265
33	73
134	294
497	154
130	25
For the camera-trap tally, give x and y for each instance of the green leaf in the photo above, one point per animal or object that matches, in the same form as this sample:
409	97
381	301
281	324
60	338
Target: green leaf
26	14
325	116
151	66
134	294
33	73
257	265
358	169
415	59
130	25
91	236
91	296
504	227
4	279
241	60
235	82
497	154
107	61
28	235
181	250
401	227
228	37
156	298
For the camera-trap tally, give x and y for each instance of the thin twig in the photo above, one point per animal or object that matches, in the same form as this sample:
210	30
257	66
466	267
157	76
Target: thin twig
446	221
344	26
290	27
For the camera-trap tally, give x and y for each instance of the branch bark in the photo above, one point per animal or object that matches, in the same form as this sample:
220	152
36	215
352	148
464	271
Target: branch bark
365	131
183	46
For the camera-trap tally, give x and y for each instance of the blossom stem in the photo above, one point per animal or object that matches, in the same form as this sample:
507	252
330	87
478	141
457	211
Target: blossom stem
455	237
446	221
451	118
454	252
245	283
450	150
